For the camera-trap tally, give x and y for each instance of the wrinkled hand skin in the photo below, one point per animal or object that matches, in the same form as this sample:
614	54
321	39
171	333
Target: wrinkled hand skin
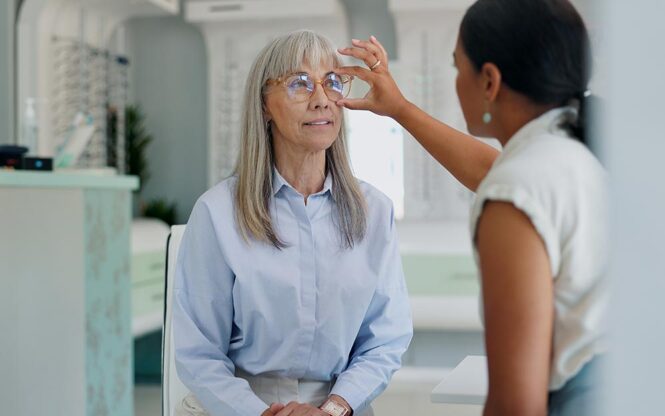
273	409
296	409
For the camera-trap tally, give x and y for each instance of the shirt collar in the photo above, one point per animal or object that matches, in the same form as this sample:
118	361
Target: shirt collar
278	182
547	123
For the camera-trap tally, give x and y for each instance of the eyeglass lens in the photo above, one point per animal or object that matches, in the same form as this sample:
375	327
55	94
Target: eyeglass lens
301	86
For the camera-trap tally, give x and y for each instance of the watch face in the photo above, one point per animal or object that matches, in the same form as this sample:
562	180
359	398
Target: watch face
334	409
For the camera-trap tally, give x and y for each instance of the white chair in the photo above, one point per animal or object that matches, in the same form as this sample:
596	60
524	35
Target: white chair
173	391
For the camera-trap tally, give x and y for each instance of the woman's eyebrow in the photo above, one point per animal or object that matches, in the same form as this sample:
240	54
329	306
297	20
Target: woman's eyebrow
312	75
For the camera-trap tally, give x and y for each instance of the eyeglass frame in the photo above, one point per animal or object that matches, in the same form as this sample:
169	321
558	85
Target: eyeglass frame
282	80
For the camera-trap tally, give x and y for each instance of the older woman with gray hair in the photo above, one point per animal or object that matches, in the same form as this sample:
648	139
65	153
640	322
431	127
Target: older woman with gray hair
289	296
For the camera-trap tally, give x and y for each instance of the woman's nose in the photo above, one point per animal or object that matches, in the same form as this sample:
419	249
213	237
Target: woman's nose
318	99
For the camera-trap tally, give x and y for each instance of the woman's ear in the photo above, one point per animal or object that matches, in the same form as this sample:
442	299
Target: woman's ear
266	114
491	77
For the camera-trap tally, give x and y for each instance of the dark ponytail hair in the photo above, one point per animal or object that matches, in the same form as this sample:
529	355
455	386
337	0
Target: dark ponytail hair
541	47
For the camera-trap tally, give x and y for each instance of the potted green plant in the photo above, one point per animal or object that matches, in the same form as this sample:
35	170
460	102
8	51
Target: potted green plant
137	140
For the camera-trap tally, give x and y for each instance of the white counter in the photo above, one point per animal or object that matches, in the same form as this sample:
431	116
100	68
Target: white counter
450	313
65	309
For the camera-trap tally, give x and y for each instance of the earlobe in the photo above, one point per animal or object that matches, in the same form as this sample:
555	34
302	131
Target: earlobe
267	118
266	113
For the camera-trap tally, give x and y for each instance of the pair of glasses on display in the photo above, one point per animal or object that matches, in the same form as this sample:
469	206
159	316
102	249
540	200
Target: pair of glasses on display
300	86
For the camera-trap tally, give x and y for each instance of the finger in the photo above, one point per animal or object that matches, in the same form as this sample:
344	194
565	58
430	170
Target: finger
367	57
317	412
302	410
356	71
384	53
379	59
375	51
355	103
368	46
276	407
288	409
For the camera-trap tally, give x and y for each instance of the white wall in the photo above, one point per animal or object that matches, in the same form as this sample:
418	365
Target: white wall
169	80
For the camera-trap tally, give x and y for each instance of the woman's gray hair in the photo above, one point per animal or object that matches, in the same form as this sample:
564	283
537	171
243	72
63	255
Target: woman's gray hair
254	168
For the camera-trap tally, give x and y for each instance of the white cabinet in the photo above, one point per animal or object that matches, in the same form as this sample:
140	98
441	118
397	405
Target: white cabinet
148	268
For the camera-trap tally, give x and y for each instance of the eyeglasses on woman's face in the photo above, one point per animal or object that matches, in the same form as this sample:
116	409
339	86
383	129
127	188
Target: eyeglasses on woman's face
300	86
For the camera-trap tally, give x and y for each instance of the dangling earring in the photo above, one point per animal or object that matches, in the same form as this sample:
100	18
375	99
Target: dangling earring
487	116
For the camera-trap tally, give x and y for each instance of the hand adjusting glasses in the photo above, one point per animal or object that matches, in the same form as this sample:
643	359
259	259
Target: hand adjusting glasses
300	86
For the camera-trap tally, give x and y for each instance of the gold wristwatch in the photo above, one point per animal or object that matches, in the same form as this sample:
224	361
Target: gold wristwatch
335	409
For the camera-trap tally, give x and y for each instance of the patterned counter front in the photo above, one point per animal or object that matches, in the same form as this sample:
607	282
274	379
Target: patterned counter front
65	302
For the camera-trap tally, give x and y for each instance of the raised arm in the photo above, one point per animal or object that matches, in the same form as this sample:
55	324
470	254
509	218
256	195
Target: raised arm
465	157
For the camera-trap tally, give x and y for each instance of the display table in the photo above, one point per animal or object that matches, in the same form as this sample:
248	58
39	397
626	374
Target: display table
65	303
465	388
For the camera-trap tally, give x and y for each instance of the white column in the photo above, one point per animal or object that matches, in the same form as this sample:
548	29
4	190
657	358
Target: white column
635	144
7	73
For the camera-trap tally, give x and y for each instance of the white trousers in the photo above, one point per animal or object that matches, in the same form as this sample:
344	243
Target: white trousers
272	390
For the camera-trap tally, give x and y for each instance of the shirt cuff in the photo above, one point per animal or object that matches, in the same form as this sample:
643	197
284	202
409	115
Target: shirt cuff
354	395
251	405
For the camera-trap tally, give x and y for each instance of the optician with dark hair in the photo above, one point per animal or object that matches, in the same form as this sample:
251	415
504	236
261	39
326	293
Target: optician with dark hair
539	219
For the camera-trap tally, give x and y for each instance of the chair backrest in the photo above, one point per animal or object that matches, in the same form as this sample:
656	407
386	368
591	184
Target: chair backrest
173	391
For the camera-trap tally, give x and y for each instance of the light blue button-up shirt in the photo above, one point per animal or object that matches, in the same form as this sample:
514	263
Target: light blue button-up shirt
311	311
